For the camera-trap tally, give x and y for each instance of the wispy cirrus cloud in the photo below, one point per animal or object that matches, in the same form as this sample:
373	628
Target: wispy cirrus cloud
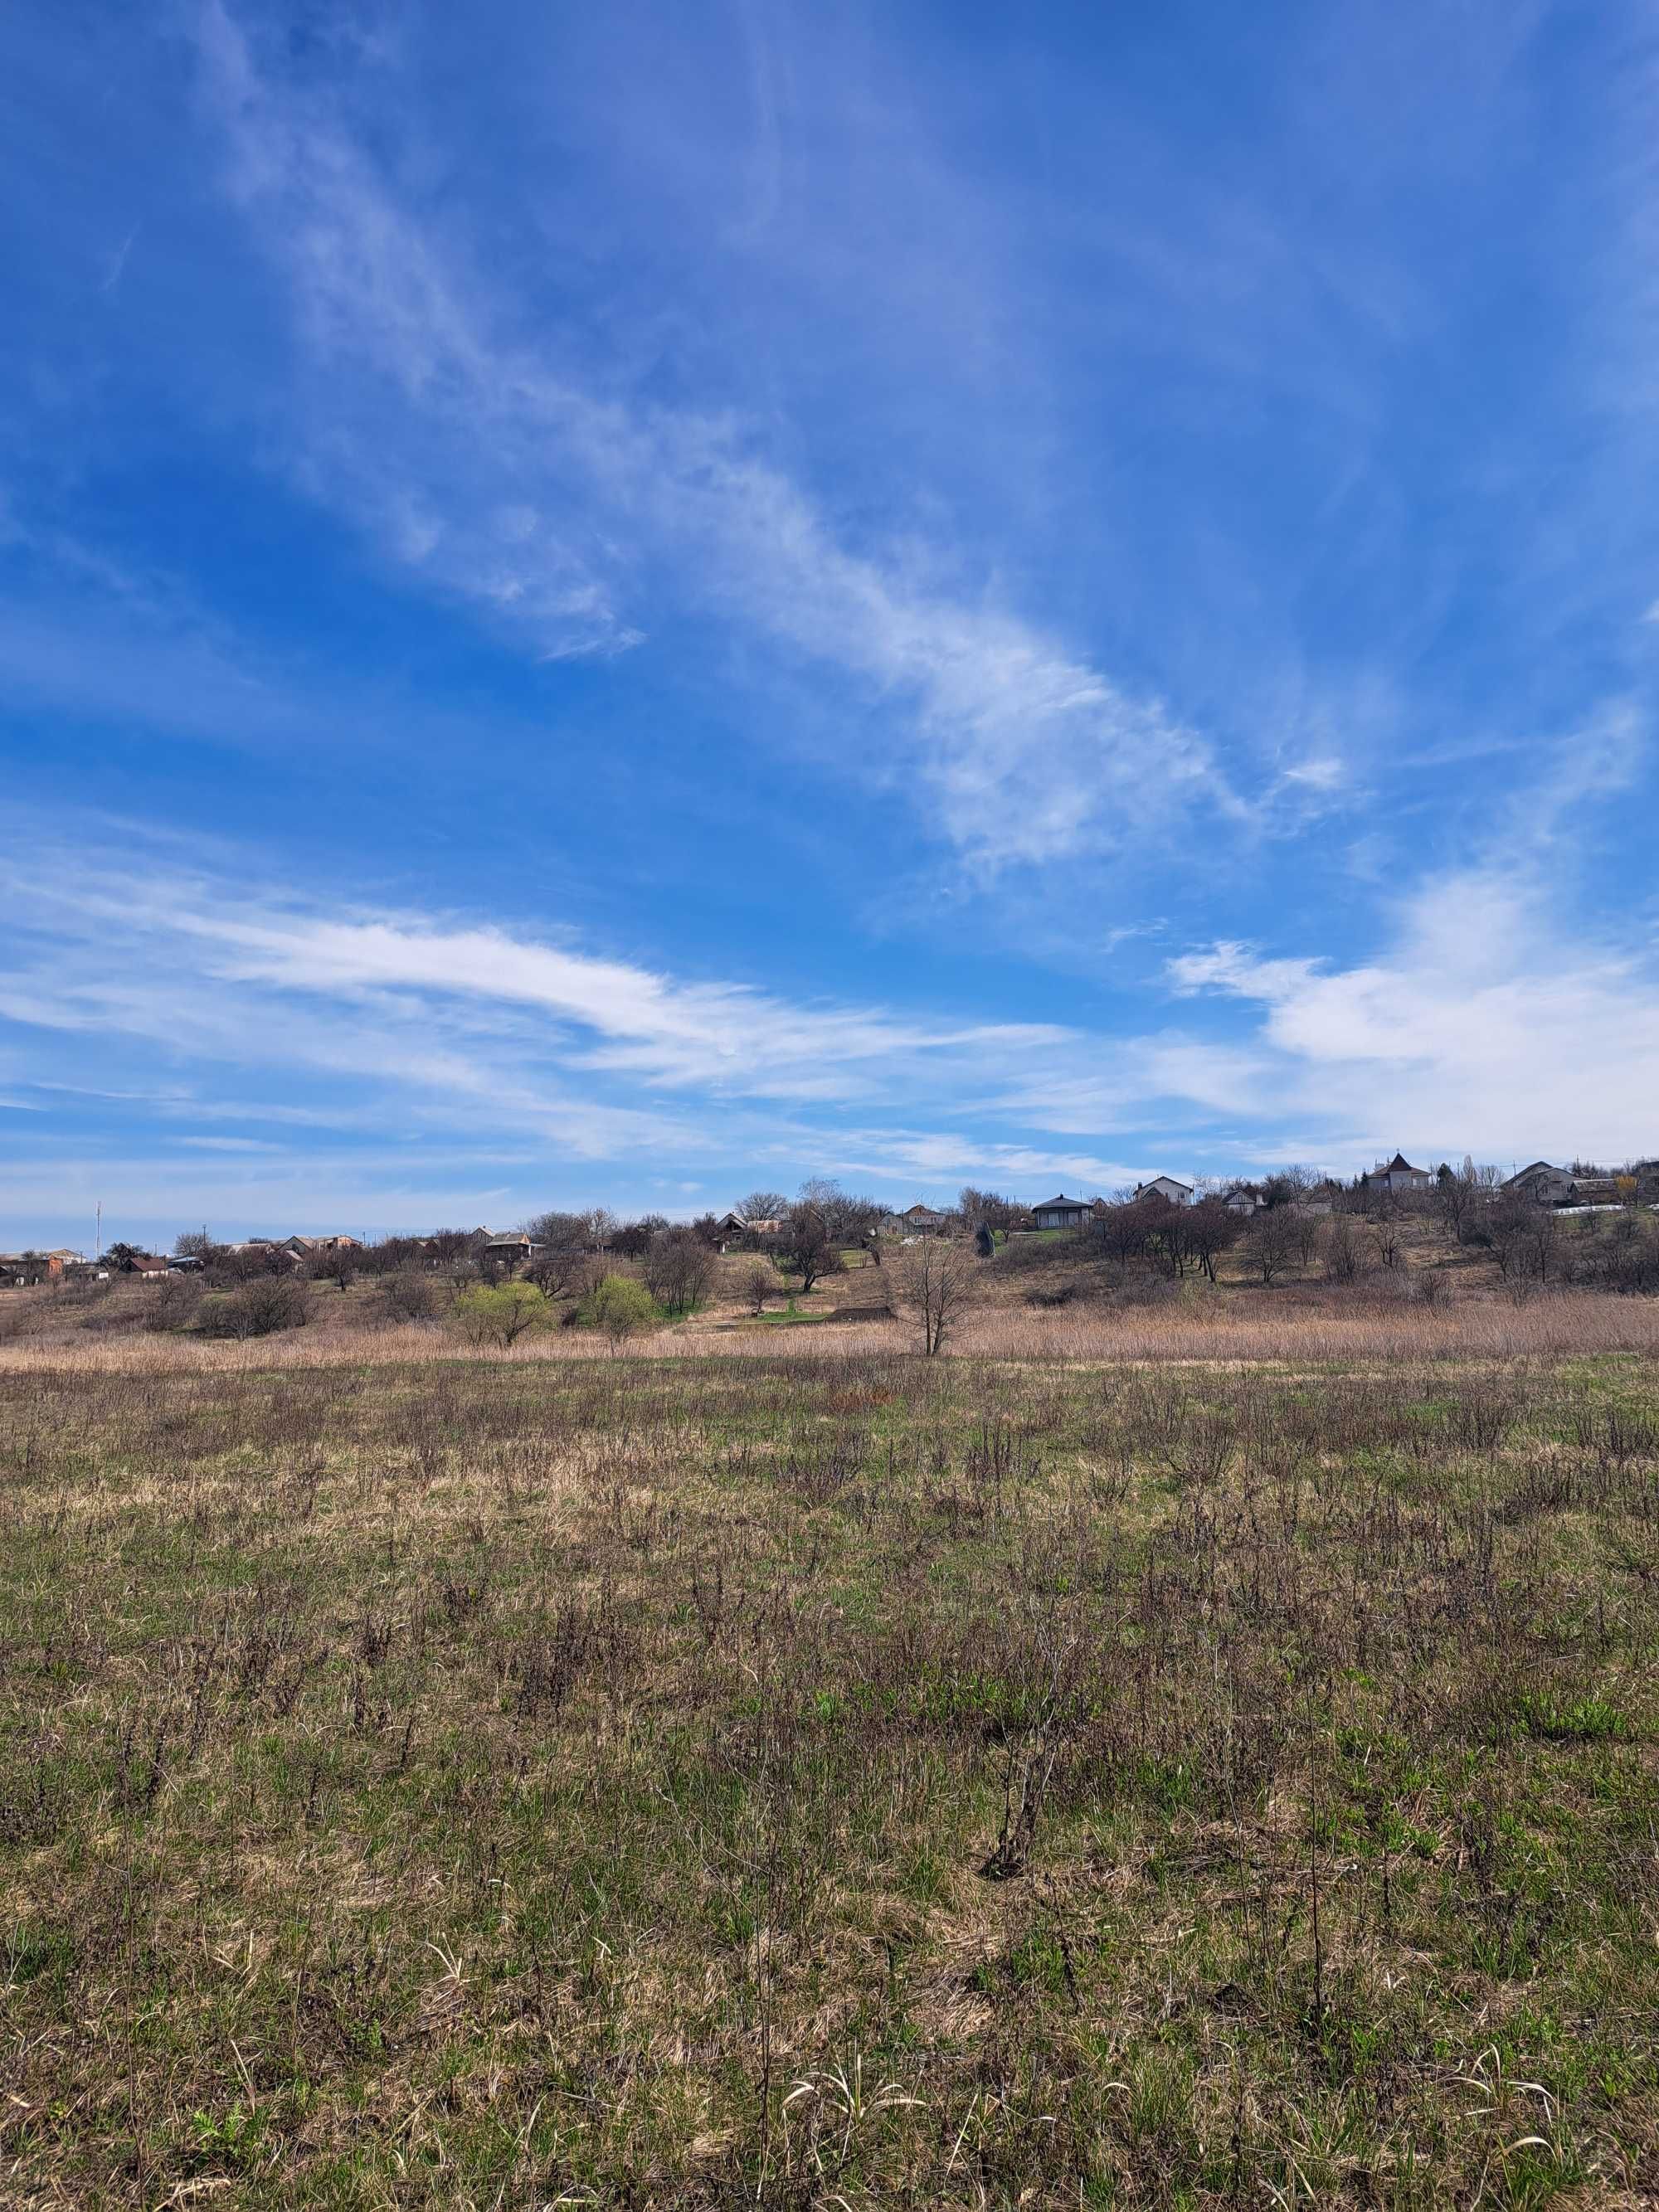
509	476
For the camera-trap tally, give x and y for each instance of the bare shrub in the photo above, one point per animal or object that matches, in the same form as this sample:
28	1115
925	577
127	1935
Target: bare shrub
1343	1262
406	1296
173	1304
264	1307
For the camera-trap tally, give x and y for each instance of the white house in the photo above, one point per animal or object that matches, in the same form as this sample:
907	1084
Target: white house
1168	1187
1544	1184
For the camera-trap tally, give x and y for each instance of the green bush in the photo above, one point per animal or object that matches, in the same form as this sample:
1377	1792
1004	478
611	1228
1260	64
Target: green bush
619	1305
499	1312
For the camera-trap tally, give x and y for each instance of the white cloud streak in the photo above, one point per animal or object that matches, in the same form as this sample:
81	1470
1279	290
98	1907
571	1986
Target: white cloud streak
1482	1027
225	1002
501	479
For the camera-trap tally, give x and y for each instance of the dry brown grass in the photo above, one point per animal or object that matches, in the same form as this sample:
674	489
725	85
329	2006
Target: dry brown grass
1295	1326
515	1779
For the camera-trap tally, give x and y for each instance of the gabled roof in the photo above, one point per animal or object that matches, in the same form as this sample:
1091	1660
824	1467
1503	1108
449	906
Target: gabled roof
1401	1165
1049	1204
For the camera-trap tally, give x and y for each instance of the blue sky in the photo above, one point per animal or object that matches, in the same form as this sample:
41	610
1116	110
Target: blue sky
626	604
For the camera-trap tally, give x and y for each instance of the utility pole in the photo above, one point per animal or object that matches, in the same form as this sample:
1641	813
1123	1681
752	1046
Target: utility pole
97	1234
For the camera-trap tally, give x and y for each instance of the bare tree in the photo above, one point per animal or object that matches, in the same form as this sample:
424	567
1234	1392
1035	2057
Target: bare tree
846	1216
1272	1241
1304	1226
560	1270
1289	1186
1211	1229
989	1206
1455	1195
762	1205
678	1267
1173	1236
935	1280
559	1232
1126	1228
1506	1229
1385	1231
759	1282
805	1246
335	1263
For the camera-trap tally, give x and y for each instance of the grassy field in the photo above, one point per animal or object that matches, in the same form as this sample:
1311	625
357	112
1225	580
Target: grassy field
826	1776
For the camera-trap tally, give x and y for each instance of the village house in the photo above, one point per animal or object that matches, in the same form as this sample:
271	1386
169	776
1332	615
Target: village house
1399	1174
20	1269
510	1249
1062	1213
745	1229
1166	1187
1544	1184
921	1220
1243	1198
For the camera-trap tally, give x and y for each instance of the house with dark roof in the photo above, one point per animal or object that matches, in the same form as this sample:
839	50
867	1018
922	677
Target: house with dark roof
511	1248
1398	1174
1243	1198
1062	1213
746	1230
